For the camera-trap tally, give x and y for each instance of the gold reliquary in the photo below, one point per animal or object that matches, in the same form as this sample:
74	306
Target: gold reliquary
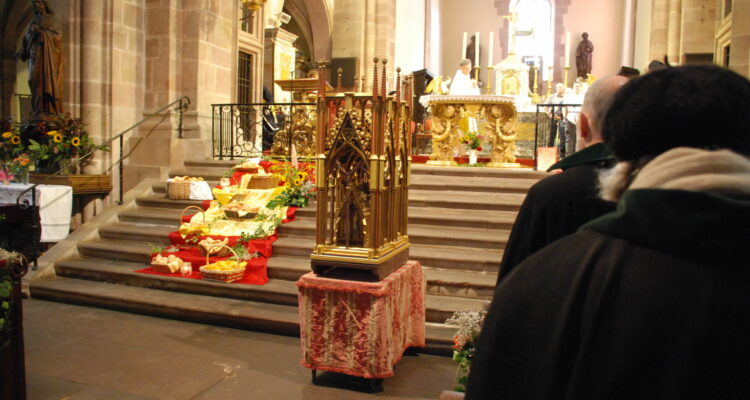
362	166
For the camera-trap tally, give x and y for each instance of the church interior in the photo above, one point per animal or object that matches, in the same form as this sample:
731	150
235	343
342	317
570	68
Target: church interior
217	199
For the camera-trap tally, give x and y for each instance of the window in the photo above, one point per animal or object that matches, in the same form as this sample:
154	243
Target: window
727	7
247	20
244	78
725	60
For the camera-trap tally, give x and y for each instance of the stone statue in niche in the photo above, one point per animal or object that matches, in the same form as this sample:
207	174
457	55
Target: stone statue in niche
584	54
42	48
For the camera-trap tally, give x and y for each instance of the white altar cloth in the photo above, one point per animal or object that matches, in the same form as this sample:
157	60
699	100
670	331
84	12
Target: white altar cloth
55	204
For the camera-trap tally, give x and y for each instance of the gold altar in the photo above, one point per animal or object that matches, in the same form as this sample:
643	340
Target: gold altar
497	116
362	177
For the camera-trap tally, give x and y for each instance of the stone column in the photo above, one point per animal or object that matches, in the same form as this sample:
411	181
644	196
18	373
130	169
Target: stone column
659	28
628	33
674	31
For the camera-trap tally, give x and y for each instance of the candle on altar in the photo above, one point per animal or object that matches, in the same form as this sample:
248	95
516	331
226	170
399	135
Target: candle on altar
492	44
549	73
463	46
567	49
476	50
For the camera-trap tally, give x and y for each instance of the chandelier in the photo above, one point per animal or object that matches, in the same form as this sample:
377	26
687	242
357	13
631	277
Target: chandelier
253	5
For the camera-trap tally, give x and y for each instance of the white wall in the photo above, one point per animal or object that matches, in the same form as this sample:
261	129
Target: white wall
410	35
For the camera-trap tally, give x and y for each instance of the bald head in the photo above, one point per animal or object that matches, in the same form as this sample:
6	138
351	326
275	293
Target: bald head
598	99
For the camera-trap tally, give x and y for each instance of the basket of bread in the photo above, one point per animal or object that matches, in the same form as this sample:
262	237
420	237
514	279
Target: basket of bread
247	167
263	181
239	211
214	247
197	228
225	271
178	188
170	264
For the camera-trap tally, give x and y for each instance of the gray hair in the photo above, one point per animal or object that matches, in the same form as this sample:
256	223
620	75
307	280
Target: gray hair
599	99
464	62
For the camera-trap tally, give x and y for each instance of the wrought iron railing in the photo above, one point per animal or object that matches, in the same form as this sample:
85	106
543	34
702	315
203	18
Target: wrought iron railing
555	127
251	129
181	104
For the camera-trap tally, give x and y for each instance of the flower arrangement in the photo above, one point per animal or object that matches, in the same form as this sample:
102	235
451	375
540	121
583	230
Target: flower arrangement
54	143
6	291
473	140
469	325
298	184
17	168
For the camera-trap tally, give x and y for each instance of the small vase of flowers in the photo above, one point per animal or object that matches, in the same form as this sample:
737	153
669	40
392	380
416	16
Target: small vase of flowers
469	324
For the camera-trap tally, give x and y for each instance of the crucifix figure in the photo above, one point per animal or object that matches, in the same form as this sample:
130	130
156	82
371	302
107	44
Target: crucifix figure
512	18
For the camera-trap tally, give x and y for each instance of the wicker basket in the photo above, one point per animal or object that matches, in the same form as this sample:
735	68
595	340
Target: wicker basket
234	215
252	170
201	231
178	190
223	276
223	251
263	182
163	269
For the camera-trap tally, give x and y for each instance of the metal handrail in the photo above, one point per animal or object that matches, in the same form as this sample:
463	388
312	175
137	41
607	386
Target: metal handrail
183	104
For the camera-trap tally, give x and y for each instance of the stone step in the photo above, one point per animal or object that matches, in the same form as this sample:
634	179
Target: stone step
471	183
513	173
466	200
457	258
161	201
211	174
139	252
485	219
276	291
153	216
444	282
136	232
212	163
234	313
422	234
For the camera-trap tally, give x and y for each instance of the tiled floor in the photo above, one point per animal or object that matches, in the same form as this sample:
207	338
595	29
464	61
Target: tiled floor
81	353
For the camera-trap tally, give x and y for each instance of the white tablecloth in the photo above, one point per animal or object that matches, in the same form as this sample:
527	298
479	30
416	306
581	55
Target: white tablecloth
55	204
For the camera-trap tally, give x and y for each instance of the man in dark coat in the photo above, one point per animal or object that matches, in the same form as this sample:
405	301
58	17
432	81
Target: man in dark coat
652	301
558	205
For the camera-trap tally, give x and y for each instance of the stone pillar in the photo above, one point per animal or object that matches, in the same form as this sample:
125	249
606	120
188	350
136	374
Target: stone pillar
739	60
674	31
659	29
365	30
628	33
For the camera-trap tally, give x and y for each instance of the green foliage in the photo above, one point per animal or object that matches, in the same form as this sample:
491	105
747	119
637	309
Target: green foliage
157	249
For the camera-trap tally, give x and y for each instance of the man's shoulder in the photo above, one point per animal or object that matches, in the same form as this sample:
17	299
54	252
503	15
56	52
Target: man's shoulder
579	176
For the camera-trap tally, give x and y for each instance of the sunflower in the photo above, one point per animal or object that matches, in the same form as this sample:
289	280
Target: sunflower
7	134
57	138
301	175
298	182
51	133
15	140
75	141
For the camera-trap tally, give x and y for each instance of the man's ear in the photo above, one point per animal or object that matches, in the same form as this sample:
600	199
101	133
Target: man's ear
584	127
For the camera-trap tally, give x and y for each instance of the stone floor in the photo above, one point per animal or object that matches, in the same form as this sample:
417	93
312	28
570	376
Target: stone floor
78	353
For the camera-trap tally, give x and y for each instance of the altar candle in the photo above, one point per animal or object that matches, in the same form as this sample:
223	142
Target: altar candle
549	74
463	46
567	49
491	48
476	50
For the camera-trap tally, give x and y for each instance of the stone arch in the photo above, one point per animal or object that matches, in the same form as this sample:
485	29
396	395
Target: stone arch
313	18
14	19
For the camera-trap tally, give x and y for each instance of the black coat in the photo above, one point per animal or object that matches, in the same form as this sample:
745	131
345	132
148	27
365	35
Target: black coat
649	302
558	205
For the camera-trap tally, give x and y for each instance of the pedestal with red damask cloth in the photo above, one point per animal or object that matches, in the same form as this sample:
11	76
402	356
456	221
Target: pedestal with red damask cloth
361	328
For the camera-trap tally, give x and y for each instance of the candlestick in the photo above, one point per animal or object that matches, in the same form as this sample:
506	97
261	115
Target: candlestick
565	76
535	97
463	46
567	49
476	73
476	49
490	49
490	68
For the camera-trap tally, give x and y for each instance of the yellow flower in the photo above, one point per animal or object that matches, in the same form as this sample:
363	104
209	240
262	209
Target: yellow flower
75	141
57	138
7	134
15	139
51	133
298	182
